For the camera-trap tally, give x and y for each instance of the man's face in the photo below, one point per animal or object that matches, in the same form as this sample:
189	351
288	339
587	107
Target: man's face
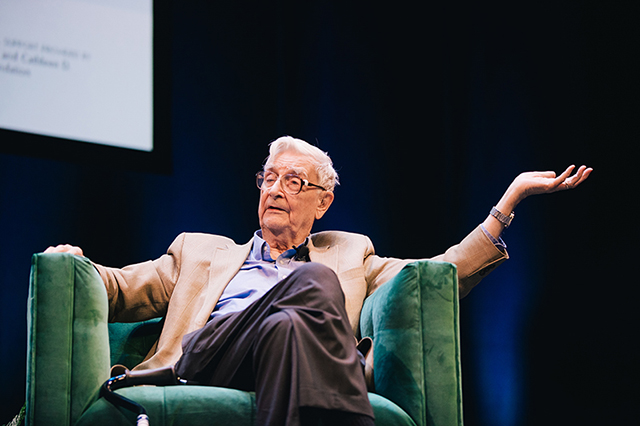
290	217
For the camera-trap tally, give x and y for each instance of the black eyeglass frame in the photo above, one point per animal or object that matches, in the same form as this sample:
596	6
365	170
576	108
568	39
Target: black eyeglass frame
303	182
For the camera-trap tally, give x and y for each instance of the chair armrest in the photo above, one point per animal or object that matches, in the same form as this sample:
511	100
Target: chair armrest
67	343
413	321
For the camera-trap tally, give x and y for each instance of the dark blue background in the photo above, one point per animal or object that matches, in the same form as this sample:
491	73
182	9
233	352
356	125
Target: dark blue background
428	111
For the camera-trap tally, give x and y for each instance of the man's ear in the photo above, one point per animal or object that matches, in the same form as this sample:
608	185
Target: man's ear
325	203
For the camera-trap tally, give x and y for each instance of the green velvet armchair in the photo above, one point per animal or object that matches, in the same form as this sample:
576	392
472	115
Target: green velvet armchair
413	321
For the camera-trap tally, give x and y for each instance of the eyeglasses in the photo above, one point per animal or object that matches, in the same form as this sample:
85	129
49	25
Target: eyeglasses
290	183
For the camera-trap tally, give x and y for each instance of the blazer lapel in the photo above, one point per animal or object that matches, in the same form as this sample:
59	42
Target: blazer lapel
326	255
225	264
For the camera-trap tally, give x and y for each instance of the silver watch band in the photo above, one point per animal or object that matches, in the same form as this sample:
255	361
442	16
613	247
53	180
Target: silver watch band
502	218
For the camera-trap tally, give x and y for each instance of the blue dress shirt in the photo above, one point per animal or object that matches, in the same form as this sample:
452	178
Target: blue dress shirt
258	274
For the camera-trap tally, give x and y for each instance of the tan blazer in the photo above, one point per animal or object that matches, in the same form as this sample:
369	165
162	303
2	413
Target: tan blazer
185	284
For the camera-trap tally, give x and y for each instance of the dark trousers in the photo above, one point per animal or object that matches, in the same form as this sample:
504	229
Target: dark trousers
294	347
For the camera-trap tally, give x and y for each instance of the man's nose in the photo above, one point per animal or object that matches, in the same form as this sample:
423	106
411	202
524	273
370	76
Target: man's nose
276	189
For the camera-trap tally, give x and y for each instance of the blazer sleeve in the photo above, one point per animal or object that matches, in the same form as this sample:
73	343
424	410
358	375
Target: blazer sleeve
142	291
475	256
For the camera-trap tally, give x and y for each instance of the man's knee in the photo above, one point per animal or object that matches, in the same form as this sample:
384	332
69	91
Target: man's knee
322	278
317	272
317	269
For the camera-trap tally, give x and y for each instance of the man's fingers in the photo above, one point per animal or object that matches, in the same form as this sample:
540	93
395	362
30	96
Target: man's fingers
567	173
584	174
580	176
57	249
560	182
65	248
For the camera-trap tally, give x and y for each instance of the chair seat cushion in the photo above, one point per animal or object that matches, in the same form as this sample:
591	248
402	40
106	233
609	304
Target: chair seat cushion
205	405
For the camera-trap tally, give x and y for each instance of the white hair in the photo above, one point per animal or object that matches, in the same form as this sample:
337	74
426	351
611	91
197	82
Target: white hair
324	166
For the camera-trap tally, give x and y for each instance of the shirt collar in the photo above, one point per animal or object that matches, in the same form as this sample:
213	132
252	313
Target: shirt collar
260	250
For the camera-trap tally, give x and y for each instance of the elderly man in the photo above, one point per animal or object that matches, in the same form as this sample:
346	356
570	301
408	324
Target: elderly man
278	314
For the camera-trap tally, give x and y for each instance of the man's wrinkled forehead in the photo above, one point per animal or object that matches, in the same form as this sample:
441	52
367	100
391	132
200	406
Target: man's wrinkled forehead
286	163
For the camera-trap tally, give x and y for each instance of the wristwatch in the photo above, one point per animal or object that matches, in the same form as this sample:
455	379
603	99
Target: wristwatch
502	218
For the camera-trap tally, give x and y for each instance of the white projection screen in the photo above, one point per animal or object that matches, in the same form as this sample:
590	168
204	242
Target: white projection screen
80	71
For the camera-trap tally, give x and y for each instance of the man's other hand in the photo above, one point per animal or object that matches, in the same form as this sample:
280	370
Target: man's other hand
65	248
